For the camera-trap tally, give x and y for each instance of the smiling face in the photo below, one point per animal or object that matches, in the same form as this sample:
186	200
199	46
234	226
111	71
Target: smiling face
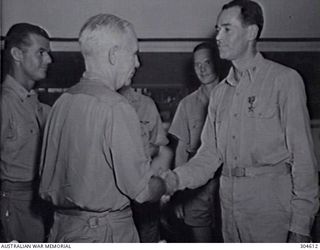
35	58
128	60
204	66
233	37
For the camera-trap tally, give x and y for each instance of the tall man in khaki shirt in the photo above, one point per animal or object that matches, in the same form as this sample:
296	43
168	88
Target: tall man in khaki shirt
22	122
258	129
93	161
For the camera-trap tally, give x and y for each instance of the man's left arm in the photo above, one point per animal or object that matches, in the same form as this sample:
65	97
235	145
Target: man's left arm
304	204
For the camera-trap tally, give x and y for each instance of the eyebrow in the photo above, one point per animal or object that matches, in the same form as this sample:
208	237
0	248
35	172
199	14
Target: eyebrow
223	25
45	49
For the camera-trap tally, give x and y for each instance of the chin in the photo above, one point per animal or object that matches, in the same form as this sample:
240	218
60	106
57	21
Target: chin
40	76
223	55
127	83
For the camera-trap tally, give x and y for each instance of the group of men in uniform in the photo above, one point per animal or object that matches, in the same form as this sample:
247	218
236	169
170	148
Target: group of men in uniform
102	149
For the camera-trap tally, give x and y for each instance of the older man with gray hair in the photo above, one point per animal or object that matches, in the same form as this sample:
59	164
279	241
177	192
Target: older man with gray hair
93	160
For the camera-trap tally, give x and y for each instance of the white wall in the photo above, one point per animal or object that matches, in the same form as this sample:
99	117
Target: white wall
161	18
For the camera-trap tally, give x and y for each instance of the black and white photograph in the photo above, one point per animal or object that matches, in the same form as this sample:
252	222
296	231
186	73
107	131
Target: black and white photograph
160	121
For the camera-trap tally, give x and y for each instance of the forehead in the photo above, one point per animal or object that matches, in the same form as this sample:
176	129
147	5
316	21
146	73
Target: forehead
37	41
131	39
230	16
201	54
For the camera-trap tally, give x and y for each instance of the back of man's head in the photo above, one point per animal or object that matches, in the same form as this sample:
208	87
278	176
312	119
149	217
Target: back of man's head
19	36
250	11
100	31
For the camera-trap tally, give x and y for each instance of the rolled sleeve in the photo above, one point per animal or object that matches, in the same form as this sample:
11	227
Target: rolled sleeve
158	135
179	126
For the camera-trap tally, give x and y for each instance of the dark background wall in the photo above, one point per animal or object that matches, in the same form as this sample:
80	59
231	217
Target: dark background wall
167	77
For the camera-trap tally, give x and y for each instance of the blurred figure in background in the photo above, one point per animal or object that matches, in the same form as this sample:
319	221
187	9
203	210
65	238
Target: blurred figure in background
22	122
147	215
199	208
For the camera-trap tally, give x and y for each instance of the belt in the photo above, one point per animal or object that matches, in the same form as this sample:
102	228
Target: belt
18	185
256	171
95	219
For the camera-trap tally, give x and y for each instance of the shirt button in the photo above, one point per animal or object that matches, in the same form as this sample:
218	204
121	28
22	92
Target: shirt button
233	137
235	158
237	93
235	115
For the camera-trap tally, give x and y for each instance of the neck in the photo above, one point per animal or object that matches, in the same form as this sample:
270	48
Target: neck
242	63
208	87
21	78
124	90
211	85
98	71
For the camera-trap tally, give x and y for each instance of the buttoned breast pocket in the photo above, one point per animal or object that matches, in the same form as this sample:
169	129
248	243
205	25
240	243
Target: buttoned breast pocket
258	107
27	129
21	137
10	133
267	133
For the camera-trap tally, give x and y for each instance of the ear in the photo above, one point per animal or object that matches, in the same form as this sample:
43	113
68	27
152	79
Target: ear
16	53
253	32
112	55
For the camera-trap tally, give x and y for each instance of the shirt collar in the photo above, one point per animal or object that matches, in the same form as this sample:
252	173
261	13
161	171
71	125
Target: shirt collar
249	71
17	88
98	79
131	95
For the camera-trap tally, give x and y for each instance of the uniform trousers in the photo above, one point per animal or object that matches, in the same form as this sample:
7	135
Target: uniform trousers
256	208
22	212
80	226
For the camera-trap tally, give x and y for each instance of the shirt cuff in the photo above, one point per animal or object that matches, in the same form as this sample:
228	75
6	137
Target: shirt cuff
183	178
301	224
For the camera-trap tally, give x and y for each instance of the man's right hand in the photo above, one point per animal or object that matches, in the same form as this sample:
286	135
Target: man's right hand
171	180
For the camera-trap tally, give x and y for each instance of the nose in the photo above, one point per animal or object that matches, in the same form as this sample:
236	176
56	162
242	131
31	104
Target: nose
202	68
218	35
137	62
48	58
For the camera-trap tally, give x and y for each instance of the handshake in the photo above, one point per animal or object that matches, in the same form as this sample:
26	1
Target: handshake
164	182
171	181
160	187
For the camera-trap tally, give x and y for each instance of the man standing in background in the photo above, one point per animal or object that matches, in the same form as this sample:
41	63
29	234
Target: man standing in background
154	138
258	129
199	208
22	122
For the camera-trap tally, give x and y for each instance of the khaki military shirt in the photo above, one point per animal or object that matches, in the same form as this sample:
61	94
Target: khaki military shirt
256	121
93	155
189	118
22	122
